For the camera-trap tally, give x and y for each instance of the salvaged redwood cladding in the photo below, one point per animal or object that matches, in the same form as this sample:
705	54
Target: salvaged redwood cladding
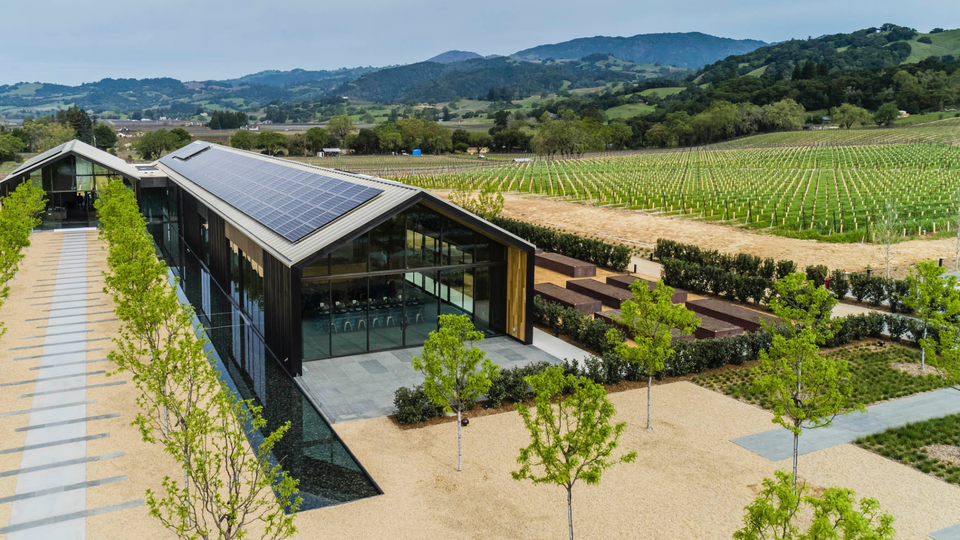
748	319
609	318
567	266
608	294
679	295
568	298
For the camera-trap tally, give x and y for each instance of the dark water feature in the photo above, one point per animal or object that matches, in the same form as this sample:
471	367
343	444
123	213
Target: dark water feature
310	451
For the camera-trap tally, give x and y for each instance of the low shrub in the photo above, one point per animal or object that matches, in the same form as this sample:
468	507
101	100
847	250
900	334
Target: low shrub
839	283
413	405
817	274
592	250
510	385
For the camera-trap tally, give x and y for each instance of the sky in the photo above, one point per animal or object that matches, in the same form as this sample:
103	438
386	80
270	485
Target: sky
76	41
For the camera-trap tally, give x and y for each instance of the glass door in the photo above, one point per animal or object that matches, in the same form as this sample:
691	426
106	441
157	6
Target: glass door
420	306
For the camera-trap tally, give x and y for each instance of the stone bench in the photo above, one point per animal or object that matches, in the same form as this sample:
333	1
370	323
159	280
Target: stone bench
624	282
567	266
745	318
608	294
711	328
567	298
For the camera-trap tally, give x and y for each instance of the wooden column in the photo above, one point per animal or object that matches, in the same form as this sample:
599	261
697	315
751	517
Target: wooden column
517	293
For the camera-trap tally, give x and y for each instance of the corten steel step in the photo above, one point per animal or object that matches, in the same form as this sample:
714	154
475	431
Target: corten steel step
608	317
715	328
567	266
745	318
608	294
568	298
679	295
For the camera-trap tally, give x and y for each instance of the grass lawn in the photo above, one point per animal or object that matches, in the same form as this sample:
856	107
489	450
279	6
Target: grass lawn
663	92
629	110
874	379
929	117
908	445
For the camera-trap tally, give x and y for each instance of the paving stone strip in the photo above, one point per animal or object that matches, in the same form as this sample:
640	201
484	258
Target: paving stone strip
50	499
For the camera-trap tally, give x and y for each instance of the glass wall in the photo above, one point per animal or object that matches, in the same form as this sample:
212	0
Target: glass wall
71	184
385	289
246	285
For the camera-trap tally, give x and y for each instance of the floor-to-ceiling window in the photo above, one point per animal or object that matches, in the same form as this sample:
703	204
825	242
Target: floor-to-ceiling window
386	289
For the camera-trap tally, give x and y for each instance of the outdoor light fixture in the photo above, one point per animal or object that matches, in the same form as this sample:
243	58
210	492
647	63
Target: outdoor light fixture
880	343
464	422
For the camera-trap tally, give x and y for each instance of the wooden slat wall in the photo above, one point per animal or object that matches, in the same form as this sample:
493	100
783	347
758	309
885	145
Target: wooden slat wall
517	293
281	300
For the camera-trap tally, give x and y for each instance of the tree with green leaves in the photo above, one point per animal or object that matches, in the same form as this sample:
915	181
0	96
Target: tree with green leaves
19	215
104	136
272	142
243	140
848	115
934	299
572	436
834	514
456	375
153	144
316	139
10	147
649	318
339	128
805	389
886	114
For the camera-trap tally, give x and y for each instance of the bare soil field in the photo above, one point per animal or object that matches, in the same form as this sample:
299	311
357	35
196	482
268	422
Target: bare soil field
647	228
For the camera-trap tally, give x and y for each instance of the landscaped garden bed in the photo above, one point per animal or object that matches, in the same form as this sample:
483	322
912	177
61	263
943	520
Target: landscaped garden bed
875	378
745	318
929	446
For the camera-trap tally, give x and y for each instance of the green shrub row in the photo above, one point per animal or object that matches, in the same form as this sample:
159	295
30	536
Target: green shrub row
589	332
598	252
742	263
702	279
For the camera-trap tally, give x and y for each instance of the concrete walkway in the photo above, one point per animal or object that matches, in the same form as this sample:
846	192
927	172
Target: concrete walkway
363	386
50	501
777	444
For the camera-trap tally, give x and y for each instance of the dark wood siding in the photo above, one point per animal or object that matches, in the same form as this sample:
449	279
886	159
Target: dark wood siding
281	300
190	222
219	250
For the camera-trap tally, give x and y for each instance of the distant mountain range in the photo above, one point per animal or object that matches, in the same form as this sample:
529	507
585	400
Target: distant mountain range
690	50
454	56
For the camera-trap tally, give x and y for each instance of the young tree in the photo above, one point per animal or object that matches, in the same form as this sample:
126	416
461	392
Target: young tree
805	389
19	214
455	375
773	514
649	318
934	299
571	436
887	230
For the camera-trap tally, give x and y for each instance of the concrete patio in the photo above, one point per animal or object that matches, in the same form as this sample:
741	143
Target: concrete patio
362	386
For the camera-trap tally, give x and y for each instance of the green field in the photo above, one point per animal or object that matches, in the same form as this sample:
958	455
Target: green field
628	111
944	43
945	131
929	117
823	192
663	92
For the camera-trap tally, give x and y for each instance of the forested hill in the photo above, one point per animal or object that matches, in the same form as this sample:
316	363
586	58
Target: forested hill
294	76
688	50
513	78
870	48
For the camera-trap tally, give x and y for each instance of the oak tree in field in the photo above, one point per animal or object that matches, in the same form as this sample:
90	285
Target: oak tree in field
775	513
339	128
456	375
805	389
886	114
848	115
244	140
272	142
572	436
649	317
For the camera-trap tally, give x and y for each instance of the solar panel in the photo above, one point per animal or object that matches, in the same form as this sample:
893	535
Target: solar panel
289	201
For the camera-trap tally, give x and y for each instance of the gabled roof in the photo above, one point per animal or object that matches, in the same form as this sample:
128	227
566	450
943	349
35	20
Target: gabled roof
81	149
393	196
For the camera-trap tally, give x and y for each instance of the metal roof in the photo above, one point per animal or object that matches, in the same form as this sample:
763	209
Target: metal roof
394	195
81	149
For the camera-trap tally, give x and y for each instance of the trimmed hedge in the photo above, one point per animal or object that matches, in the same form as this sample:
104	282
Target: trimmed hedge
598	252
741	276
589	332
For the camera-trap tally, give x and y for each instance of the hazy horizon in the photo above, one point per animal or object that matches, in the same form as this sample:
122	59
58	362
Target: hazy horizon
218	39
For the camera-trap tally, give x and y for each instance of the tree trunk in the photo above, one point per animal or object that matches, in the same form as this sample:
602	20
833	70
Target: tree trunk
649	384
459	443
796	449
923	352
570	511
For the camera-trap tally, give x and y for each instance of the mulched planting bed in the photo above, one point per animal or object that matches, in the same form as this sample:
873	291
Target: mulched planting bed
745	318
909	445
567	266
624	282
608	294
567	298
874	378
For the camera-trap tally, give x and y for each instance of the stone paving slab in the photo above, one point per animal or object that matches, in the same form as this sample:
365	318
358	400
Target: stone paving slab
777	444
363	386
950	533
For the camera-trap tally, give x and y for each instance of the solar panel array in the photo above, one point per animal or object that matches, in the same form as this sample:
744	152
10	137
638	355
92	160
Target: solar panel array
290	201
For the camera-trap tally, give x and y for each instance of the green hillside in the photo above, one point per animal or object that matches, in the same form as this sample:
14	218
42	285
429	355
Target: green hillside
945	43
